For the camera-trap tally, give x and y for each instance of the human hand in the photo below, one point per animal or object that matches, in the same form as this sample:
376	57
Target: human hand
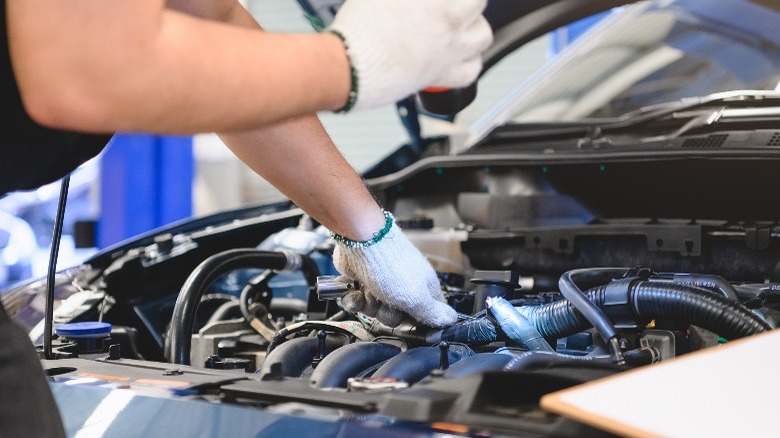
398	47
396	280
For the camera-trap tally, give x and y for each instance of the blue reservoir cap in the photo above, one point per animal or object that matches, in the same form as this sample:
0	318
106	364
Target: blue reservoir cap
88	329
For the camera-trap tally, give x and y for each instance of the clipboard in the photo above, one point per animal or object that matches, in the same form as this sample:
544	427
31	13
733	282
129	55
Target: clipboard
732	390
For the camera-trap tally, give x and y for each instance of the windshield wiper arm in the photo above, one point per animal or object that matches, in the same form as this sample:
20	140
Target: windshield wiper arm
728	98
648	114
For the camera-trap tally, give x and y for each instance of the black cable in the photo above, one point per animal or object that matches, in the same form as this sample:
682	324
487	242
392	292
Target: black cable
341	315
55	249
249	291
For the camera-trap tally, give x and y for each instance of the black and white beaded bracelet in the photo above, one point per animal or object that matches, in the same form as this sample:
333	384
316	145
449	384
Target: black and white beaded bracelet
353	91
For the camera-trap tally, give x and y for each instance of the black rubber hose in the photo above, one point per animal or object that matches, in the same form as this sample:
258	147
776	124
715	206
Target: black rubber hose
535	360
532	360
59	218
180	335
542	360
414	365
729	319
349	361
539	359
655	300
310	273
714	282
478	364
590	311
697	306
226	311
287	306
296	354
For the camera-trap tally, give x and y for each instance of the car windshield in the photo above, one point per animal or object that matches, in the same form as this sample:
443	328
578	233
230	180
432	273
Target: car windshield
647	54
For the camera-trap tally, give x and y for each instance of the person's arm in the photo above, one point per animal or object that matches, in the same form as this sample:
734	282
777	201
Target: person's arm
99	66
296	155
300	160
134	65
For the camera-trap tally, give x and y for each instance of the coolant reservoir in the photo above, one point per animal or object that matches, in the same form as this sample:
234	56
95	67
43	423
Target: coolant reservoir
442	248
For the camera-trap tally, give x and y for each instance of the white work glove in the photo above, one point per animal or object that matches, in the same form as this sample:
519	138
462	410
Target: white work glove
396	280
399	47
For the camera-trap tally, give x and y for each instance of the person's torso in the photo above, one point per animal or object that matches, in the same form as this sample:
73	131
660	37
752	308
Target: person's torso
32	155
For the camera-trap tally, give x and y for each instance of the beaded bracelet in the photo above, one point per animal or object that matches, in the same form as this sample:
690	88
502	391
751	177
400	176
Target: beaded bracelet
353	91
365	243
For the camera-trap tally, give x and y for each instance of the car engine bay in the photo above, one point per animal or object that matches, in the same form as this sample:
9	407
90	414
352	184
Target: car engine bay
207	311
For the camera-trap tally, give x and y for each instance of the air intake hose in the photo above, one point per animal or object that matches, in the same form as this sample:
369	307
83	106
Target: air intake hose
415	364
295	355
348	361
655	300
647	300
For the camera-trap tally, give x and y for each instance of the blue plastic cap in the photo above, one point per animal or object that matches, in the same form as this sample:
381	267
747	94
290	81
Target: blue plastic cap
89	329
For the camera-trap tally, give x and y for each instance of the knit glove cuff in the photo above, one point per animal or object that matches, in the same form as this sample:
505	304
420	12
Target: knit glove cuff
397	280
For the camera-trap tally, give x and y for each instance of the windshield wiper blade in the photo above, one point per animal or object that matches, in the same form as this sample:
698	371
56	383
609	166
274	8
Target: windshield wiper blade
645	115
727	98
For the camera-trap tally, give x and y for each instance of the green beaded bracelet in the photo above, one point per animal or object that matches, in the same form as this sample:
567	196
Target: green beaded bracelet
353	91
365	243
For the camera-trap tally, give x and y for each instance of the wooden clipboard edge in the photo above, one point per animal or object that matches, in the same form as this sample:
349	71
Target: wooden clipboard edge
553	402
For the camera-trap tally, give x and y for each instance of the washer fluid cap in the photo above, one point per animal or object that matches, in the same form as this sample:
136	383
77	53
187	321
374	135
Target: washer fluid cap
87	329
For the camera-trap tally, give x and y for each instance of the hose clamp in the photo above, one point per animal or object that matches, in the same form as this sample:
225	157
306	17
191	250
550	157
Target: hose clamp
294	261
617	303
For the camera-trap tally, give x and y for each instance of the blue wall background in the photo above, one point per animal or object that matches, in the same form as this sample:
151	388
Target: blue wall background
145	182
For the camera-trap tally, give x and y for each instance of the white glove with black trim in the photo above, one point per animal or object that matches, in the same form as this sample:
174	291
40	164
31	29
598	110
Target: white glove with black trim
396	280
398	47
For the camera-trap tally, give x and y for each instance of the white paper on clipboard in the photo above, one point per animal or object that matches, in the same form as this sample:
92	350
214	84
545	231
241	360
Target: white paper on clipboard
731	390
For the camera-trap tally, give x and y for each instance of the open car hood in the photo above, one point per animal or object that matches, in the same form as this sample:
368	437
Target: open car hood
517	23
692	79
514	23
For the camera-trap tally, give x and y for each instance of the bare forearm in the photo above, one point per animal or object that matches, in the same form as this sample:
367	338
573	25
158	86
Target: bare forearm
297	156
125	82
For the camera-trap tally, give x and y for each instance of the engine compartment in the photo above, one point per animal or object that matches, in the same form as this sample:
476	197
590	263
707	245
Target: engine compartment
243	307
